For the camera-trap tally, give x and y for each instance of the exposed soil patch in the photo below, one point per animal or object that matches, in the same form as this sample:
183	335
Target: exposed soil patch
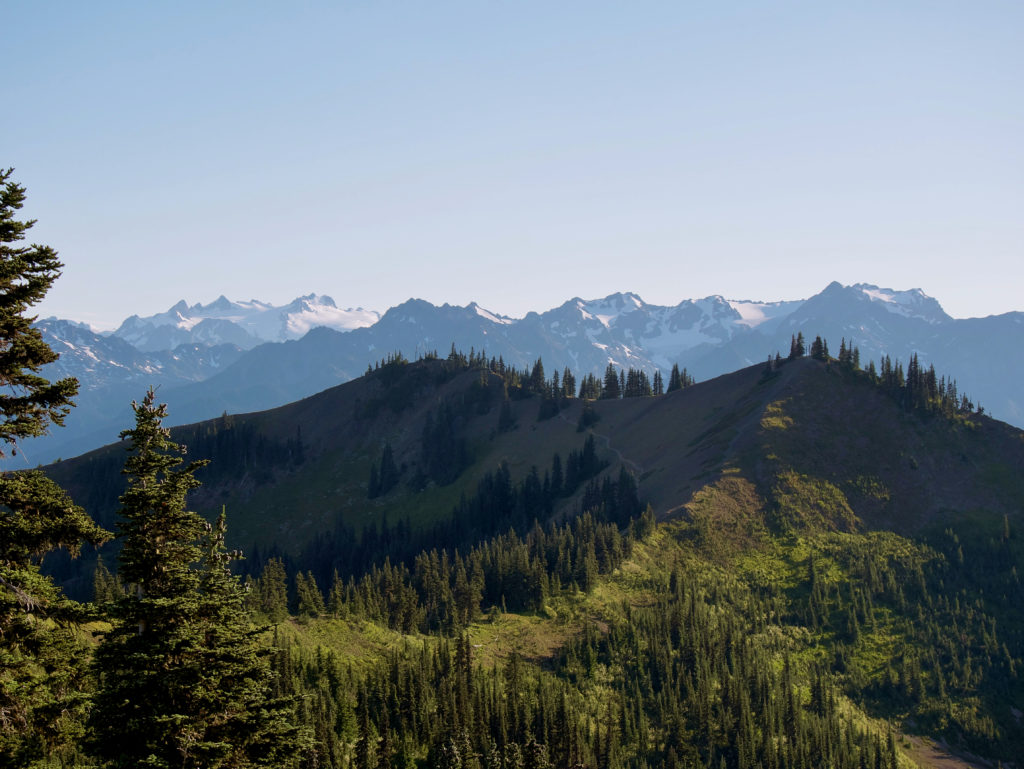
932	755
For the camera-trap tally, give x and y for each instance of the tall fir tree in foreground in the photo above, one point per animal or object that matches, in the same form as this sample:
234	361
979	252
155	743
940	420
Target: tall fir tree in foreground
29	403
182	682
41	653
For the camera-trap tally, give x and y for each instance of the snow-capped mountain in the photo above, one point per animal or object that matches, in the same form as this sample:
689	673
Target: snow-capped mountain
910	304
99	361
323	346
624	330
245	324
111	373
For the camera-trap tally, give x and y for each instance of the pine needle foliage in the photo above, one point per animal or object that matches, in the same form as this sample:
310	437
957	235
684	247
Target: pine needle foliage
182	682
42	673
29	403
41	670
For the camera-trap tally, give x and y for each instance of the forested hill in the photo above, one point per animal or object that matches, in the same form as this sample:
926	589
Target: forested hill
444	426
460	569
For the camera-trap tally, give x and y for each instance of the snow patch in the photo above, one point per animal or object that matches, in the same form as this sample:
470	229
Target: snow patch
912	303
754	314
488	315
609	310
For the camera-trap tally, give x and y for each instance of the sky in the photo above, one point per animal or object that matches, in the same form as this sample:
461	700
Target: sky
517	154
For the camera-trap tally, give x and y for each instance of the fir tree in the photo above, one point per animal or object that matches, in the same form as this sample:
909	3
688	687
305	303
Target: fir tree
537	382
29	403
678	380
310	600
568	384
818	349
105	586
675	381
336	597
384	477
272	591
41	669
246	726
611	387
180	681
796	346
40	663
147	664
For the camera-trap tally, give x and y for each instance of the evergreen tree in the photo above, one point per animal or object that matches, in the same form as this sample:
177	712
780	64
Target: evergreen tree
105	586
590	388
388	470
678	380
797	348
611	387
818	349
537	382
41	670
675	381
568	383
588	418
535	756
309	598
365	752
29	403
384	477
272	591
41	673
246	726
180	681
147	664
846	355
336	596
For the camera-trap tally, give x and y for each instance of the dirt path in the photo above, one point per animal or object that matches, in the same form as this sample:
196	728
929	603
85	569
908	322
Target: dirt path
636	467
933	755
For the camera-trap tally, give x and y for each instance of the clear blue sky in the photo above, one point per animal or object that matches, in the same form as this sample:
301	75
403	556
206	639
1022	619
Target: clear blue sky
517	154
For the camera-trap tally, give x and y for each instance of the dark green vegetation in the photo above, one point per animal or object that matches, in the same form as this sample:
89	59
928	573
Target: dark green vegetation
181	679
43	677
455	564
402	444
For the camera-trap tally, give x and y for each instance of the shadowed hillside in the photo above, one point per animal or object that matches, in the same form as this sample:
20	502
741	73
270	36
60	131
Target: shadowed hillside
809	429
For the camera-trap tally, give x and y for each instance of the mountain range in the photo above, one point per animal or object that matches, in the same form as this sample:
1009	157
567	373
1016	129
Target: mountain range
237	357
245	324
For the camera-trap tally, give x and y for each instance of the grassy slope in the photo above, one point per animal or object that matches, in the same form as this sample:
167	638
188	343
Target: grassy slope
537	638
673	442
